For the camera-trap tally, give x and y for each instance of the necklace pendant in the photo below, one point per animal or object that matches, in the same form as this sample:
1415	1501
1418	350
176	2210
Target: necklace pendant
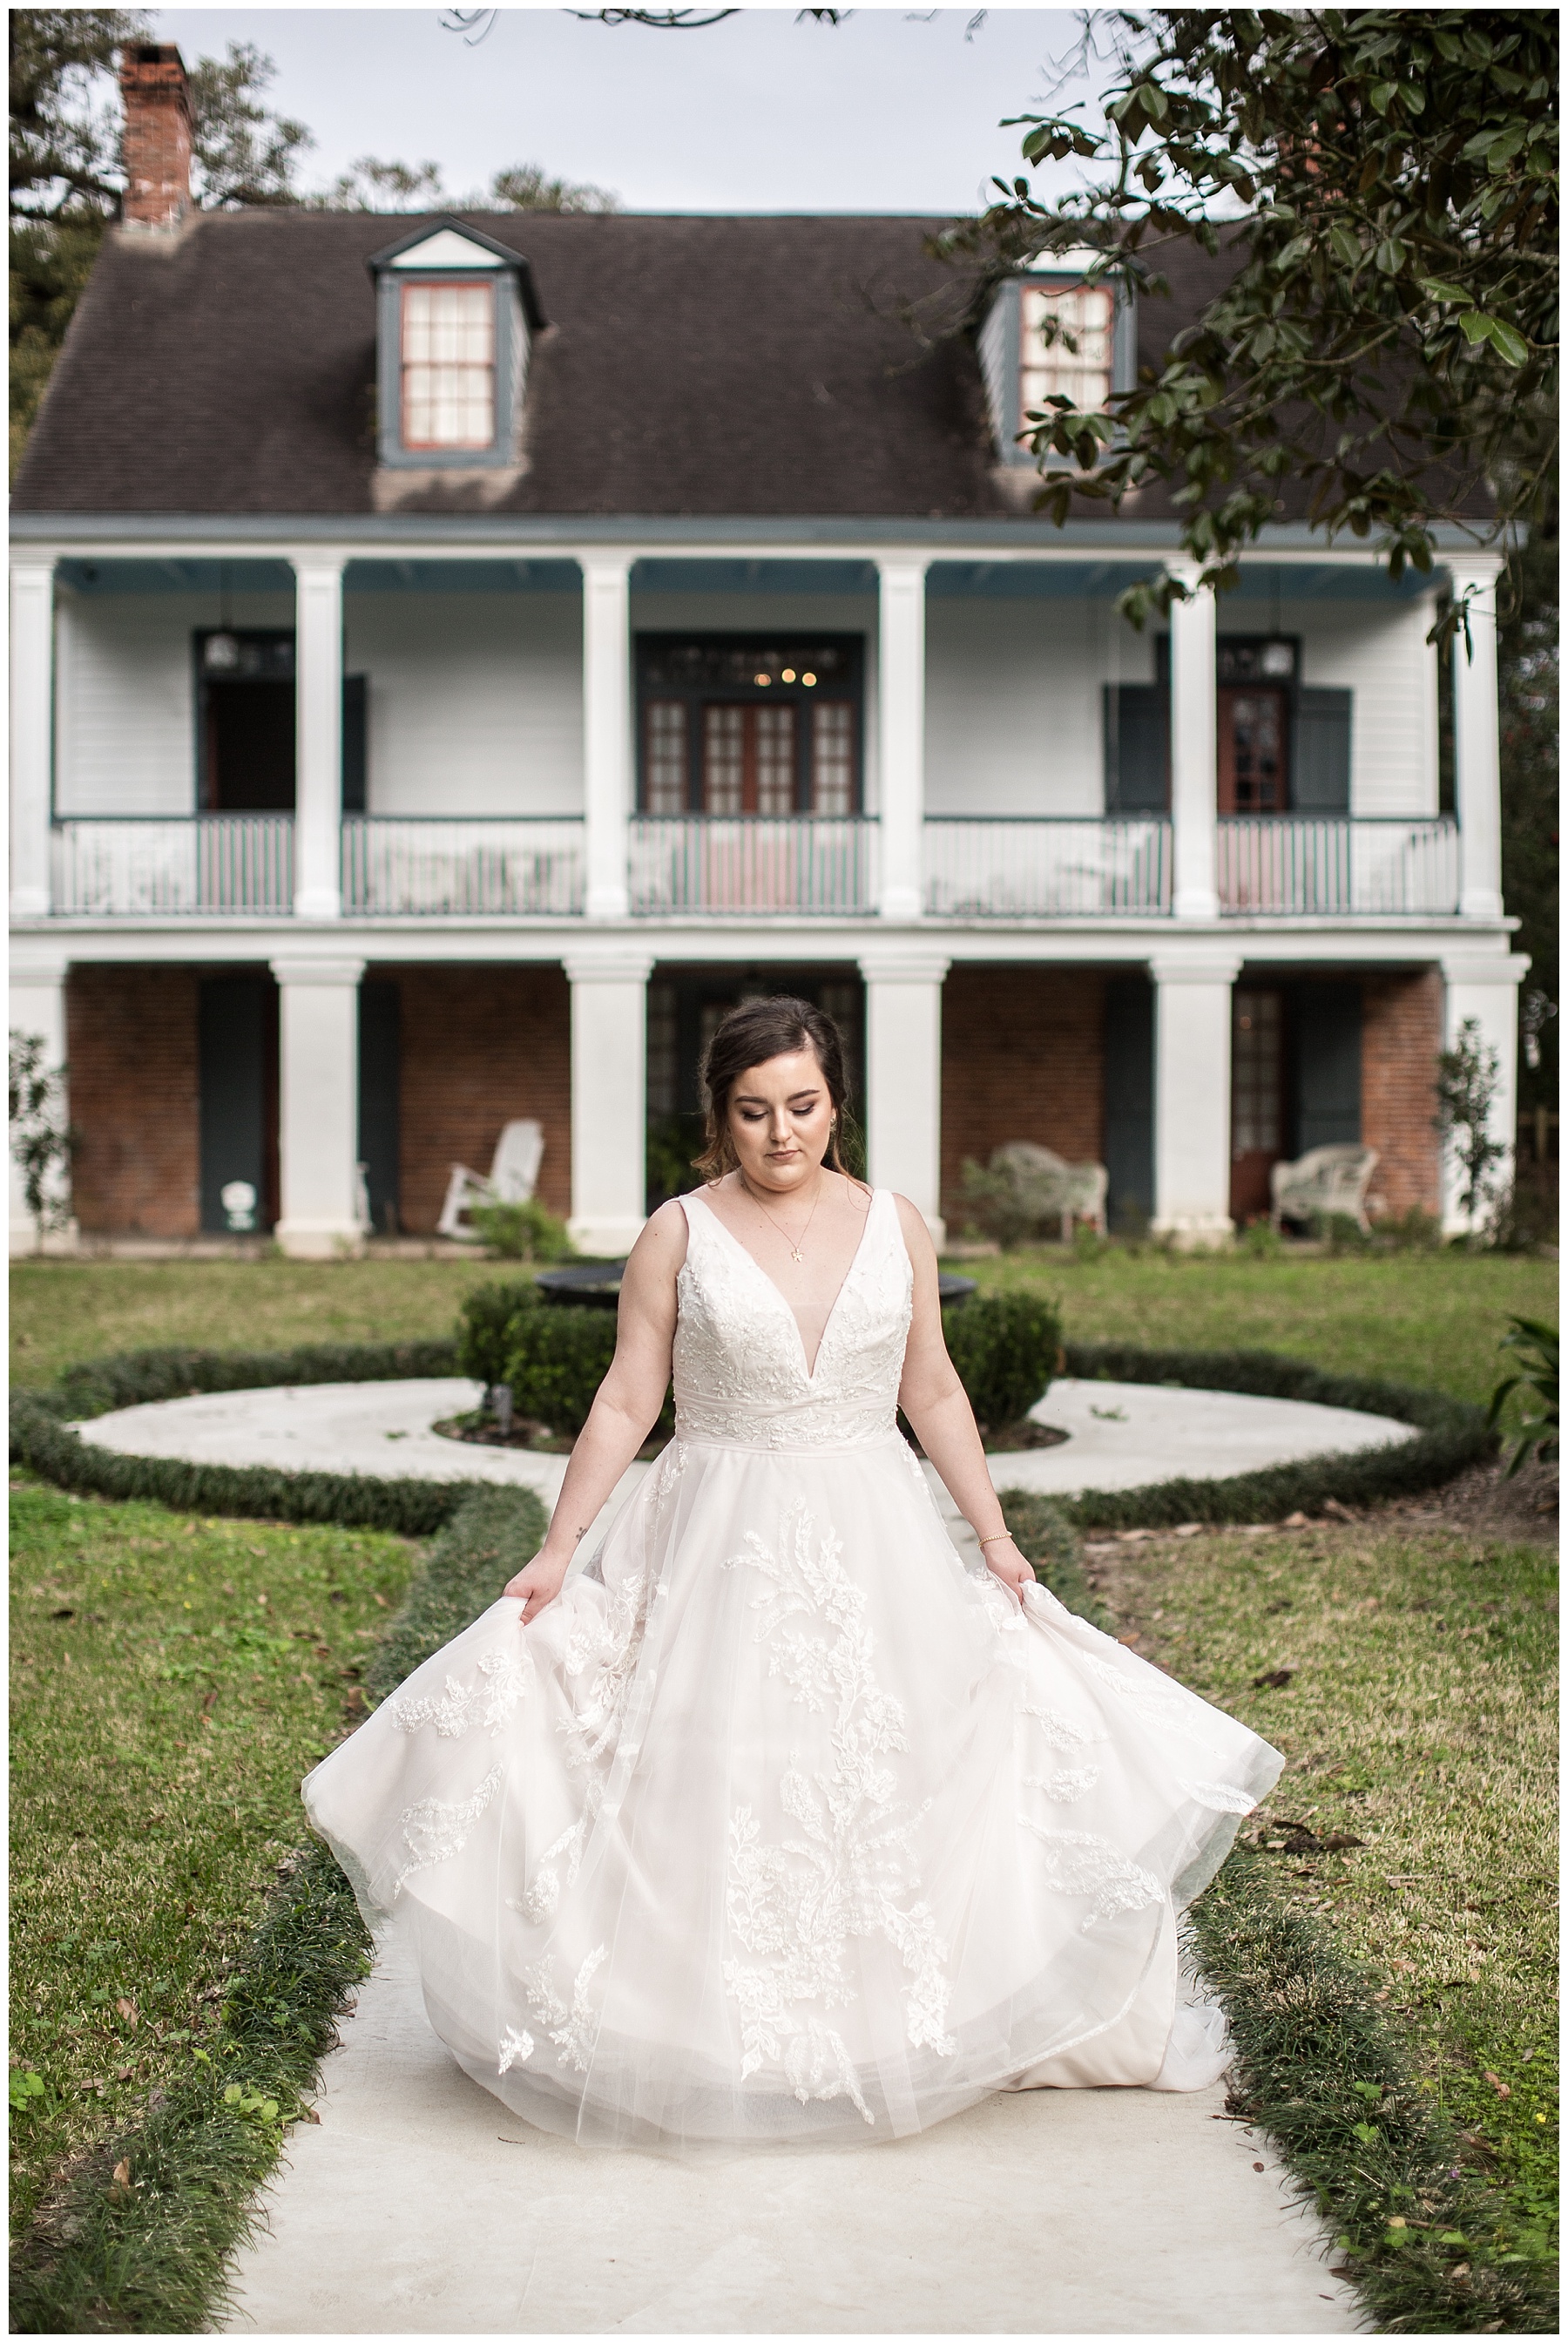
796	1254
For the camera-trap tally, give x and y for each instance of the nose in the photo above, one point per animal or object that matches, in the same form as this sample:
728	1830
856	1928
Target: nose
779	1127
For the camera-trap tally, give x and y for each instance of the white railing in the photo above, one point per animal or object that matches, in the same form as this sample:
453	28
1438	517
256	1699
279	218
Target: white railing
450	867
1336	864
821	864
996	867
155	867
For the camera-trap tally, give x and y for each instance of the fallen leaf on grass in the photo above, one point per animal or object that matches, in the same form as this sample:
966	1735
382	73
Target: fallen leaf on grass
120	2186
127	2010
1502	2089
1273	1679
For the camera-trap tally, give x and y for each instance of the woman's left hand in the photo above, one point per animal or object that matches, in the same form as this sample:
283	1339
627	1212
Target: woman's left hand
1003	1559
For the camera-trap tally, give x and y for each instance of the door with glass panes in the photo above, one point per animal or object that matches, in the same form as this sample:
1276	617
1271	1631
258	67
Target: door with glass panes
735	729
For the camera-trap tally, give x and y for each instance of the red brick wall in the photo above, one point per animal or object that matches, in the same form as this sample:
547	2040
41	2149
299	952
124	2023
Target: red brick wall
1023	1057
157	135
1402	1032
131	1044
480	1047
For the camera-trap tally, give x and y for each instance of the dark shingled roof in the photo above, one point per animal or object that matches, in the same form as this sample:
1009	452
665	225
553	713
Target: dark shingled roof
691	366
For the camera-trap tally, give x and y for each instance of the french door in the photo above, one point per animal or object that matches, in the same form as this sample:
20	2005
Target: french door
751	756
1253	778
1257	1096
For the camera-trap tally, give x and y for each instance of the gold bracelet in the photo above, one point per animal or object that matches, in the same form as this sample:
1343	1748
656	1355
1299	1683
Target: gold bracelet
996	1538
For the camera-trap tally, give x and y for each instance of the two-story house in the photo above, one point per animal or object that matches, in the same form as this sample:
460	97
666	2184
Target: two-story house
455	656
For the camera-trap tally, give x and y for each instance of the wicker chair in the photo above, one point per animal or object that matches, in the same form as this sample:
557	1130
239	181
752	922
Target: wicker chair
1325	1180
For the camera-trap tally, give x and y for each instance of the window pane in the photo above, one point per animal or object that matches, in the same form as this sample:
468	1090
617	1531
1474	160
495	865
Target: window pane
448	365
1082	374
833	757
723	760
666	756
1255	1073
775	758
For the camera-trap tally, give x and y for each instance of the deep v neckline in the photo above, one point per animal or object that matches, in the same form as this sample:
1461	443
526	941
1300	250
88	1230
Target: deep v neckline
777	1293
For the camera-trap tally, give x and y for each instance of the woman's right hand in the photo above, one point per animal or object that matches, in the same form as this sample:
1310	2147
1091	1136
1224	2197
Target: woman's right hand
536	1584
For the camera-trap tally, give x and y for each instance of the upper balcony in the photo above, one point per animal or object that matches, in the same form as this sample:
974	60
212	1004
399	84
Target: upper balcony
628	739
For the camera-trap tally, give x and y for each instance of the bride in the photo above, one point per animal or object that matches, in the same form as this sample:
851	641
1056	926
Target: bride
774	1822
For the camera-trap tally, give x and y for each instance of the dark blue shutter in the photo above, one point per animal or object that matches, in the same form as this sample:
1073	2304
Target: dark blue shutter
380	1084
1137	747
1327	1022
1129	1100
1321	752
354	745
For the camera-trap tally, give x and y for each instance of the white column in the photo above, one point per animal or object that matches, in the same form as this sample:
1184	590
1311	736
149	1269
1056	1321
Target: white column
318	1106
901	734
32	734
1477	779
606	729
1485	985
903	1106
37	1006
1194	745
1192	1096
610	1097
318	757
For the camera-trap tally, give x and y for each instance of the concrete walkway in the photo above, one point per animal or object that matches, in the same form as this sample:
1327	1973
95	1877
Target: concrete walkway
421	2207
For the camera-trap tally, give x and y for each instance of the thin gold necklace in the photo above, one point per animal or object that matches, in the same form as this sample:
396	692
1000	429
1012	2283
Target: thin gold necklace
795	1251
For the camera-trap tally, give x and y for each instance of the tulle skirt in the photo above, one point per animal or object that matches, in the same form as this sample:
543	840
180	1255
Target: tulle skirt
779	1824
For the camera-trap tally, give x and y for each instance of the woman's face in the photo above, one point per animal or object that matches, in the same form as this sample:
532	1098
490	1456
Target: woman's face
780	1119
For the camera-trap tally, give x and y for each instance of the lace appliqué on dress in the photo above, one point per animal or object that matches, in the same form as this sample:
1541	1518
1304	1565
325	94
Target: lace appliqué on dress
571	2030
435	1831
796	1906
506	1677
1079	1862
517	2047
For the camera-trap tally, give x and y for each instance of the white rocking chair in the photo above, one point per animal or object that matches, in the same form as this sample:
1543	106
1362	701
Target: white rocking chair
1076	1191
514	1169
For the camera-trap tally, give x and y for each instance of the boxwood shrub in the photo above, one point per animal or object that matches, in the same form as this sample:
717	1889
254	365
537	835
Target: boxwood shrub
1006	1348
489	1326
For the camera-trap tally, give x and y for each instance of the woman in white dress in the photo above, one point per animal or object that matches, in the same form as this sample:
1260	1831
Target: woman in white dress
775	1822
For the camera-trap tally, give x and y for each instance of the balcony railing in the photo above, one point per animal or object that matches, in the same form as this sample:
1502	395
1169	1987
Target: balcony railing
994	866
1302	863
180	866
450	868
807	864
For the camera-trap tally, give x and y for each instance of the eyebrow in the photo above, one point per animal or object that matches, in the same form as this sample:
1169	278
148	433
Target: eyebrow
750	1098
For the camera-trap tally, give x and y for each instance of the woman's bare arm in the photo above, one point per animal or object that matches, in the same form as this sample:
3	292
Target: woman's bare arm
626	1408
938	1407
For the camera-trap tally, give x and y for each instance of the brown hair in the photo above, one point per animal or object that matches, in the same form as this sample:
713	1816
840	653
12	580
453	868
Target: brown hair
749	1035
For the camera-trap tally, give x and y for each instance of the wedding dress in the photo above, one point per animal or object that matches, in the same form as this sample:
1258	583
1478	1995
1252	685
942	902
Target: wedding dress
779	1823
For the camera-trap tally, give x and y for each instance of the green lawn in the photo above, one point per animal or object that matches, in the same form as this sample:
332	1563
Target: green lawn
1421	1719
173	1679
1423	1318
1433	1318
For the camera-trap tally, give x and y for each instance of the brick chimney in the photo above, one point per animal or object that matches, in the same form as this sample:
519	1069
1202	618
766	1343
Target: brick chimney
157	139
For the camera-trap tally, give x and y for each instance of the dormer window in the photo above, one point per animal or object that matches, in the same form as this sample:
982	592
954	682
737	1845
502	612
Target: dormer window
448	365
1025	354
454	313
1078	365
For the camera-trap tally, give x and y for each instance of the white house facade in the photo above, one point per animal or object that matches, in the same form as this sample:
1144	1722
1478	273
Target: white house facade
452	657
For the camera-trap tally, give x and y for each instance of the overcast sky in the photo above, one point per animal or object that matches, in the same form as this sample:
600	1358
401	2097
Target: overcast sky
889	111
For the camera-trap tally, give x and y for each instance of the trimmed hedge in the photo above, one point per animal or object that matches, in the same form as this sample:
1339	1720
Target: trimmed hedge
253	1492
489	1325
1451	1434
135	1378
153	2258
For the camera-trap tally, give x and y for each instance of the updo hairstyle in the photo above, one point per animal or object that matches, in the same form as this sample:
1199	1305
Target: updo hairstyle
749	1035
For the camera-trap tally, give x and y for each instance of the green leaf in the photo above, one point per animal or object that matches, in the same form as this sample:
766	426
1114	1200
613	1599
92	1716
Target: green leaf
1508	344
1366	2132
231	2094
1391	255
1477	325
1382	95
1435	290
1346	249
